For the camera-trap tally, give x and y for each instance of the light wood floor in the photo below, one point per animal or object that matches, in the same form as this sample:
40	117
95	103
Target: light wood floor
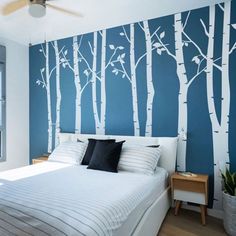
187	223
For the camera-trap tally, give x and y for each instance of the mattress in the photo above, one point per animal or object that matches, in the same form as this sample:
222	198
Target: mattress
160	184
52	198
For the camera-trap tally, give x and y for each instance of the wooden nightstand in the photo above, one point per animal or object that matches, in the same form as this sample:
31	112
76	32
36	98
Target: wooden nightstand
190	189
39	159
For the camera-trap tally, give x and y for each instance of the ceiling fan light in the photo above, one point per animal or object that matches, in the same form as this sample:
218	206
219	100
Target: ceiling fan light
37	10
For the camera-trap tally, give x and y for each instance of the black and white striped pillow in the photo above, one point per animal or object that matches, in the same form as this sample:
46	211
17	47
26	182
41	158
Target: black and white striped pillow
69	152
139	159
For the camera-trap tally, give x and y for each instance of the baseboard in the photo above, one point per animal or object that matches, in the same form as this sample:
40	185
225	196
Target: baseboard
211	212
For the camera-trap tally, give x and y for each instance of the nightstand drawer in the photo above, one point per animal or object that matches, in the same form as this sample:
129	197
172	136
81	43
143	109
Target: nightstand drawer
199	198
190	186
39	160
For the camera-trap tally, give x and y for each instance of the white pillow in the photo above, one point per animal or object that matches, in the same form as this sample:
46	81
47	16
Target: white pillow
69	152
139	159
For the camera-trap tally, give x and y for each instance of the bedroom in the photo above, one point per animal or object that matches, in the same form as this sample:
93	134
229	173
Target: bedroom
159	76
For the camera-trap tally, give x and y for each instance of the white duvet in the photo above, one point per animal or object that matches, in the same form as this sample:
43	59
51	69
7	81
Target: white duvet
57	199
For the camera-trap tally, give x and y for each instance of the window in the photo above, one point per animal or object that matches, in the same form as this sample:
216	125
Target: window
2	103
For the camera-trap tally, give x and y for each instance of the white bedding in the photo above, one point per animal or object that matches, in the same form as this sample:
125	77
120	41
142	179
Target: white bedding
52	198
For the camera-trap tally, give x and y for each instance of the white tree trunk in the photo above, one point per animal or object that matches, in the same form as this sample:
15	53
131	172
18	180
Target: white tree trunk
211	105
225	106
150	87
77	86
58	94
134	83
103	84
219	128
183	90
48	89
94	85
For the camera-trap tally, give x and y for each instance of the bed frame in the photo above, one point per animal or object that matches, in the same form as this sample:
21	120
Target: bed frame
152	219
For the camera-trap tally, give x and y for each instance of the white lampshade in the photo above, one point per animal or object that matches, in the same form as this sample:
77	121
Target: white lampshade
37	10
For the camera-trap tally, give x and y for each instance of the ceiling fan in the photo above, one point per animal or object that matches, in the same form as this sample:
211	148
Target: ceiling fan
37	8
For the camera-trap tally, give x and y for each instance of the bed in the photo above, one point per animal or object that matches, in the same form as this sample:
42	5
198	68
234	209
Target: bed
53	198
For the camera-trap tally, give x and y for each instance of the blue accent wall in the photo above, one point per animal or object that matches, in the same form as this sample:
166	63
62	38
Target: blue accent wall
118	95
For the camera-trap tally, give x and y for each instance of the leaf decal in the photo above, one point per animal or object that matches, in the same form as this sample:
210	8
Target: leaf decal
234	26
159	51
162	35
86	72
156	45
196	59
111	46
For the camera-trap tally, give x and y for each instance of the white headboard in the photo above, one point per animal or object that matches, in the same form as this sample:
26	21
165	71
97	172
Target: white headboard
168	145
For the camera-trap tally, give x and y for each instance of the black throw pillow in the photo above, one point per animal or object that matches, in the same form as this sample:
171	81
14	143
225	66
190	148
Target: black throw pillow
154	146
106	156
89	151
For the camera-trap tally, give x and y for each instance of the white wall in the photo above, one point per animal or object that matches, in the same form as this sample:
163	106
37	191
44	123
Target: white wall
17	105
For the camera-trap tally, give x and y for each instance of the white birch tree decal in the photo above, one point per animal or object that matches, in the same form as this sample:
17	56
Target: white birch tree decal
182	40
92	71
48	89
103	83
99	76
120	68
184	83
98	125
183	91
220	124
74	67
132	78
45	83
133	82
58	93
149	78
77	86
210	100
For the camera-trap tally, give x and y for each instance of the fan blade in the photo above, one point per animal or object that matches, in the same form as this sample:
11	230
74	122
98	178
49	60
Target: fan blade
14	6
77	14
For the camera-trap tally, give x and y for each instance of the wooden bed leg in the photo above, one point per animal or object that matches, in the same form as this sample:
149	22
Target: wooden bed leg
177	207
203	214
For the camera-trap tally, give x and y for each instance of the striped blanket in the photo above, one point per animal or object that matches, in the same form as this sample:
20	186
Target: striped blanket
57	199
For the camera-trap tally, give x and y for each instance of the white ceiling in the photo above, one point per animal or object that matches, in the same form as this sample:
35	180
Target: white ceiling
97	15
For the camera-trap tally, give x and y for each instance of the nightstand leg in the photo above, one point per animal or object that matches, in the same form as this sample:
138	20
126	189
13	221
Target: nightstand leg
206	210
178	205
203	214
